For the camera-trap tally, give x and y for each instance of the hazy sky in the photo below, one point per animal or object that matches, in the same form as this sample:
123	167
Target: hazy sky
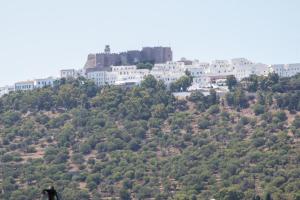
38	38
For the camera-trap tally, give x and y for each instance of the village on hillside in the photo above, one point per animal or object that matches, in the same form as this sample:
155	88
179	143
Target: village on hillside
131	67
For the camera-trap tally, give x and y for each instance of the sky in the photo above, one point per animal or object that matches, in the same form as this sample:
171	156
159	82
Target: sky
38	38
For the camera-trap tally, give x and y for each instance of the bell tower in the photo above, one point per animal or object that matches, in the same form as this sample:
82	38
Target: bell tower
107	49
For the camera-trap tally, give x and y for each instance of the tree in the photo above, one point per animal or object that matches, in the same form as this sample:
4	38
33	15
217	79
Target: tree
85	148
252	83
134	145
124	195
19	195
196	96
268	196
10	117
273	78
281	115
296	122
159	111
258	109
237	98
149	82
181	84
203	124
214	109
256	197
75	194
77	158
212	98
231	193
144	66
231	82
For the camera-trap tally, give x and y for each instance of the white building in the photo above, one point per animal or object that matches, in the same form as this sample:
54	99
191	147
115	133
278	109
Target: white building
168	72
129	74
286	70
219	68
202	82
195	70
240	62
67	73
71	73
24	85
169	66
198	72
167	77
278	69
102	78
44	82
36	83
121	69
202	64
6	90
244	71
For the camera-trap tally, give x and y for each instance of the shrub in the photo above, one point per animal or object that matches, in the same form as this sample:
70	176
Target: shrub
258	109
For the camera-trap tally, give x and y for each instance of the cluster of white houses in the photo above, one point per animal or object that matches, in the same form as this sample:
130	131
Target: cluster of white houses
28	85
205	75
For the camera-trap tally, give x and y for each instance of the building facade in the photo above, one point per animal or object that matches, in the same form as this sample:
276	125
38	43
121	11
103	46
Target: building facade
45	82
72	73
102	78
68	73
286	70
24	85
169	67
219	67
129	74
102	61
244	71
6	90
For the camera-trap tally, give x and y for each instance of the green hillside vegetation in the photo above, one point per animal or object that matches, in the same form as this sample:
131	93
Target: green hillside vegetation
143	143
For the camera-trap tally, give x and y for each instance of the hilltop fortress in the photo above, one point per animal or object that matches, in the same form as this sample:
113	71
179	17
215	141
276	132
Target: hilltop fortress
103	61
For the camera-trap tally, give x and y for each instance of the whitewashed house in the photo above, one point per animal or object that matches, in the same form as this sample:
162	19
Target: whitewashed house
240	62
219	68
129	75
6	90
285	70
278	69
44	82
244	71
167	77
202	82
24	85
293	69
195	70
72	73
168	72
169	67
102	78
198	72
123	69
67	73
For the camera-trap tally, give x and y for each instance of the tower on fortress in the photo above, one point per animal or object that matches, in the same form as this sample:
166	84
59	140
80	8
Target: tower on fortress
107	49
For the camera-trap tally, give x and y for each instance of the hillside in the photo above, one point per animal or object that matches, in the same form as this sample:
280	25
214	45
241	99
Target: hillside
143	143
